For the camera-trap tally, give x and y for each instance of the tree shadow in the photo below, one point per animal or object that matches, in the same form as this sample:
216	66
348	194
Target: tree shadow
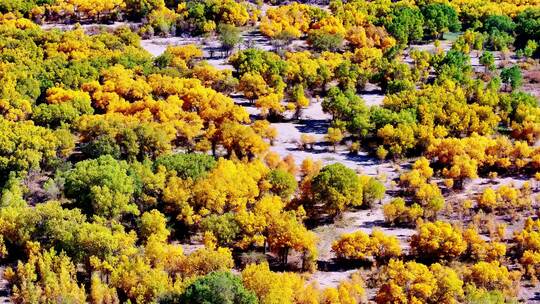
246	104
535	297
372	224
340	265
364	160
315	126
311	151
375	91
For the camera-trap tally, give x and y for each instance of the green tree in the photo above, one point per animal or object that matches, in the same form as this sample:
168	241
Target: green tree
218	288
372	190
440	18
512	77
20	6
406	24
138	9
456	66
24	146
348	107
336	187
224	227
229	36
499	23
187	165
348	75
282	183
528	26
530	48
488	61
323	41
101	187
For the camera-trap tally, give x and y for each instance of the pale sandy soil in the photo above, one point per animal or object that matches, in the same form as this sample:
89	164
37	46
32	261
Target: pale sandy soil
91	27
250	38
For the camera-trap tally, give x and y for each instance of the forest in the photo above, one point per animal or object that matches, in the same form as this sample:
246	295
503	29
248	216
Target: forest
269	151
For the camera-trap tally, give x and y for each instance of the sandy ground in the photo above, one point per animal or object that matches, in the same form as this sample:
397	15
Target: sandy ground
91	27
250	38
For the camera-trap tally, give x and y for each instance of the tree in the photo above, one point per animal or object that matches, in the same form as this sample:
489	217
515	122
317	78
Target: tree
358	245
47	277
530	48
224	227
25	146
437	240
204	261
399	139
479	249
372	190
291	20
397	212
413	282
455	65
512	77
299	99
488	61
187	165
499	24
323	41
354	245
348	291
101	187
282	183
218	287
154	224
348	107
336	187
334	135
286	232
241	140
492	276
229	36
253	86
440	18
488	200
270	105
274	287
422	64
527	26
406	24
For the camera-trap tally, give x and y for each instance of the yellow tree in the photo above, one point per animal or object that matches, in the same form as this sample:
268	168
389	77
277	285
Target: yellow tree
287	232
437	240
253	86
46	277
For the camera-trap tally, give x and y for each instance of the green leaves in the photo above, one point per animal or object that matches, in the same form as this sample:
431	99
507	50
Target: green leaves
512	76
406	24
336	187
24	146
101	187
218	288
440	18
187	165
348	107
